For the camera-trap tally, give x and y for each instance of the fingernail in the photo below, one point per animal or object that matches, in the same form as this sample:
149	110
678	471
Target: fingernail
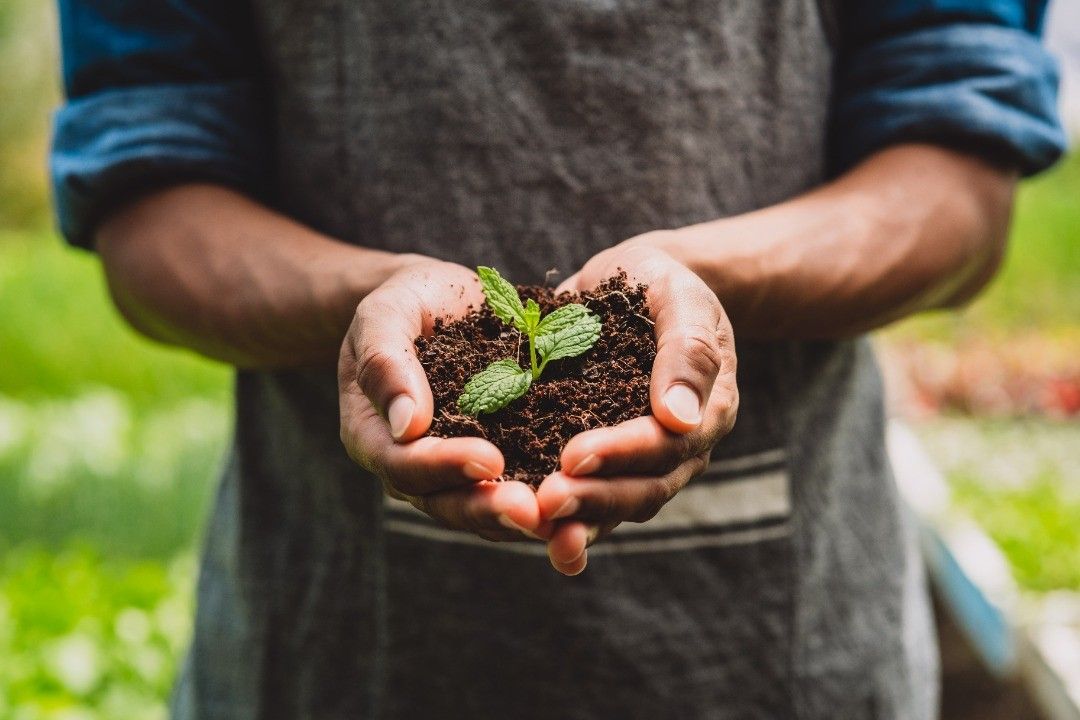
400	415
568	508
560	566
478	471
683	403
588	466
584	562
591	533
506	522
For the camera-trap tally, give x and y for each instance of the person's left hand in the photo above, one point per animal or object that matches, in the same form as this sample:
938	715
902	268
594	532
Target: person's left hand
629	471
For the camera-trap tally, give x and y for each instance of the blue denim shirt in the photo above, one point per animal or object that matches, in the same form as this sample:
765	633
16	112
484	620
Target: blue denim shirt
172	91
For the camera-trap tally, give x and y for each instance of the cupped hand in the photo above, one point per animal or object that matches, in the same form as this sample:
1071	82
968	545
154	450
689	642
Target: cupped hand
386	407
629	471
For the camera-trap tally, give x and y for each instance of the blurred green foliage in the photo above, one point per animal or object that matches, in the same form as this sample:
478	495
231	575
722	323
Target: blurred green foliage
109	446
1020	479
1039	284
83	637
133	484
29	88
61	335
1037	525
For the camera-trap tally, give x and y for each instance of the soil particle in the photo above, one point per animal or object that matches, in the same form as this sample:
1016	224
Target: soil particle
607	385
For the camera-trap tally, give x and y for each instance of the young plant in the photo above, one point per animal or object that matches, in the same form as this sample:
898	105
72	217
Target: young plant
565	332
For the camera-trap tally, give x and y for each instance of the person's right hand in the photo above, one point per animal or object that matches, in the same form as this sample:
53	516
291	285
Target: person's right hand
386	407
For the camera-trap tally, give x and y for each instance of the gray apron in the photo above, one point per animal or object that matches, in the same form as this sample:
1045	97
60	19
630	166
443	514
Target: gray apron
530	134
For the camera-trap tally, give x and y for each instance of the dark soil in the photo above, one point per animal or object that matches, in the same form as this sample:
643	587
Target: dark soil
607	385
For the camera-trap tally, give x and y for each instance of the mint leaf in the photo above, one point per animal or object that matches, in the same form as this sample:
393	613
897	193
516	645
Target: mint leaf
561	319
494	387
502	297
571	340
532	316
567	332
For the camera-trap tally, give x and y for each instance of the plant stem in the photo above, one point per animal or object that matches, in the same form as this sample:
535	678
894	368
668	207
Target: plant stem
532	358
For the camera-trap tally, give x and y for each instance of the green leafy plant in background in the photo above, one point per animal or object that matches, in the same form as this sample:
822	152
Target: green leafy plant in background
109	446
87	637
1037	525
28	68
565	332
1019	479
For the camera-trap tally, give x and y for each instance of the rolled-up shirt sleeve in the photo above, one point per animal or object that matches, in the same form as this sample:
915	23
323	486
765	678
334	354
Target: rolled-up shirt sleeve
967	75
157	94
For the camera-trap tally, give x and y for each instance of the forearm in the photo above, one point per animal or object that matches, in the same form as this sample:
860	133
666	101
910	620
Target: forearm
205	267
912	228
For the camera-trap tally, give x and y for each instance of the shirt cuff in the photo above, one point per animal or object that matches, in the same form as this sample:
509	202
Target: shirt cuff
114	145
988	90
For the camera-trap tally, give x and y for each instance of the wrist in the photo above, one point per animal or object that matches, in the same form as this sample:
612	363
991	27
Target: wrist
403	261
728	254
349	274
367	269
766	259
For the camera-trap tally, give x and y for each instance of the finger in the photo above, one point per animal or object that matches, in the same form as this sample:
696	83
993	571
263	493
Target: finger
567	547
431	464
613	500
423	466
488	509
570	284
641	446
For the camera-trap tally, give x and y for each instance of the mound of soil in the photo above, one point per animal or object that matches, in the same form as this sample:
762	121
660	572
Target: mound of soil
607	385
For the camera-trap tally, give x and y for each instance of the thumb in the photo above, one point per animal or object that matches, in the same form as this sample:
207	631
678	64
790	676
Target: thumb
691	343
384	361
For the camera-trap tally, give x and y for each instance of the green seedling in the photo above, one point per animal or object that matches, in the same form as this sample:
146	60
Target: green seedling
565	332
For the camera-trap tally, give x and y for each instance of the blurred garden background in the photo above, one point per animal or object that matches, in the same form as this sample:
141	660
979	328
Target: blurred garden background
109	445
